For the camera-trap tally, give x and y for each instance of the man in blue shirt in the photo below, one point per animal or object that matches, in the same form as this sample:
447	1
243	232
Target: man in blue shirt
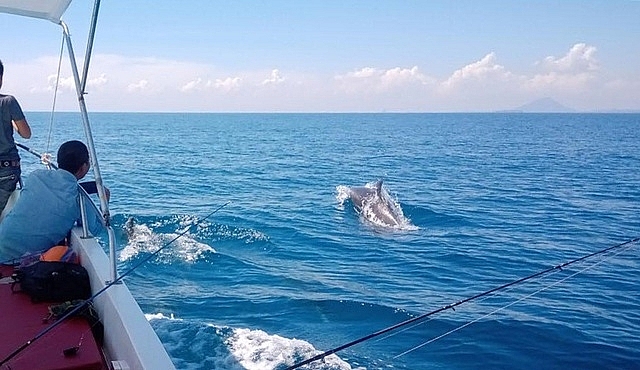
11	117
48	206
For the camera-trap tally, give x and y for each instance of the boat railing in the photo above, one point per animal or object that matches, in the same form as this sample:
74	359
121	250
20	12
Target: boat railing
85	199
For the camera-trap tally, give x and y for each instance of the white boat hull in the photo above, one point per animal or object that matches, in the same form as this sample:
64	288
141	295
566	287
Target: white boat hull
129	340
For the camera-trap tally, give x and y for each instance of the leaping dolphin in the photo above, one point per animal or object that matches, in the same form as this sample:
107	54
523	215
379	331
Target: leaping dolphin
376	206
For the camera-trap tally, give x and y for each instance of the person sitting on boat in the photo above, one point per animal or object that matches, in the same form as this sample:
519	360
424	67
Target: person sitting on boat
12	118
48	206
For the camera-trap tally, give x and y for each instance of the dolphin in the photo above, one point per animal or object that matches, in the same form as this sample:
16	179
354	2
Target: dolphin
129	227
375	205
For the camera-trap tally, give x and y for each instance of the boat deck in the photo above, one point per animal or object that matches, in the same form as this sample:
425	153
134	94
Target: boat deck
21	320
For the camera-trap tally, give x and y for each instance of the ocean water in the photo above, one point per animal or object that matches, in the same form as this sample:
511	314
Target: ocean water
288	268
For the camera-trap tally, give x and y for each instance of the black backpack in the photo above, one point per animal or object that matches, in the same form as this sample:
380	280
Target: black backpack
53	281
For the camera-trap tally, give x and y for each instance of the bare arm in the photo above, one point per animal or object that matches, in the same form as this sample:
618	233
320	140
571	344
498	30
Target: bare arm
22	128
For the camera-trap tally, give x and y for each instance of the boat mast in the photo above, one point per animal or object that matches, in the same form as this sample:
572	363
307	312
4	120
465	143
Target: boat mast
92	32
80	84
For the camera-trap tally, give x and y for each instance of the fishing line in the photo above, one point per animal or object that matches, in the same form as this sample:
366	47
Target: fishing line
453	305
84	303
480	300
505	306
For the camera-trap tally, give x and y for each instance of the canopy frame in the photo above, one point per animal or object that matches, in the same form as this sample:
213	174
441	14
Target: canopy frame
50	10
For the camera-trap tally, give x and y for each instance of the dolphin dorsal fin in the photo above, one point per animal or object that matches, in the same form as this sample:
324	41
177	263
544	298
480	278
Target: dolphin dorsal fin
378	186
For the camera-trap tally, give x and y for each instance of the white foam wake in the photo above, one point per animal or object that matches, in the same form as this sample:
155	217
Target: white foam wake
257	350
221	347
142	239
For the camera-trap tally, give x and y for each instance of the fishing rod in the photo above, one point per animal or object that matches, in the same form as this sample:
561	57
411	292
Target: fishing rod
507	306
89	187
46	159
84	303
453	305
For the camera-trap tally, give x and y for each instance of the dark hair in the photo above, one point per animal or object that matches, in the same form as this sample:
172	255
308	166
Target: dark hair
72	155
1	68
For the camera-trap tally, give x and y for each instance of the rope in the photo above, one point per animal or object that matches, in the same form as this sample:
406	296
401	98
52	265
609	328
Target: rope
453	305
55	95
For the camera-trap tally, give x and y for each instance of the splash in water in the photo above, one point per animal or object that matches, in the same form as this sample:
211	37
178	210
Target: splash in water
142	239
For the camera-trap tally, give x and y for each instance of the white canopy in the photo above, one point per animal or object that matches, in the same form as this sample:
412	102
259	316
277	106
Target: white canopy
45	9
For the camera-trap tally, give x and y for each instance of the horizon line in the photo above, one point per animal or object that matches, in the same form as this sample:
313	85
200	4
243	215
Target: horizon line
506	111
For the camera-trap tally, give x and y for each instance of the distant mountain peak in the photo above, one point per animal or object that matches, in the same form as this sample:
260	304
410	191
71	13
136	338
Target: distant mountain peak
544	105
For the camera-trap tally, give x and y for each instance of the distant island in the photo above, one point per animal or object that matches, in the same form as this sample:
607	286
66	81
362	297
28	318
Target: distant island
544	105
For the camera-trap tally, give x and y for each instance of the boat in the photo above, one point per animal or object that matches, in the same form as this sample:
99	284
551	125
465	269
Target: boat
129	340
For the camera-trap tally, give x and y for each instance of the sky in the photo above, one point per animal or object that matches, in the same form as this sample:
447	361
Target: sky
333	56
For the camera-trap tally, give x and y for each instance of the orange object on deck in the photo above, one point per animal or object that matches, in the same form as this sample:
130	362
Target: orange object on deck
60	253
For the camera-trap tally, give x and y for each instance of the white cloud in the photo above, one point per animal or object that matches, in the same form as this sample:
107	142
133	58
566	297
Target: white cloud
561	81
374	80
138	86
574	72
194	85
485	69
364	73
228	84
575	79
98	81
274	78
222	84
65	84
399	76
579	59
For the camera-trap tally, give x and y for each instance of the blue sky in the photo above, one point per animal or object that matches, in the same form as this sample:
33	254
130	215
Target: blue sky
335	56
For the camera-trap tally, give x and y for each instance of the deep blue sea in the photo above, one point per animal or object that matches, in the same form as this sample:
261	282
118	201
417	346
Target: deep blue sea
289	268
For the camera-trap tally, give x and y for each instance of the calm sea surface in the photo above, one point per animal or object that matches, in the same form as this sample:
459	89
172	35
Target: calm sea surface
288	268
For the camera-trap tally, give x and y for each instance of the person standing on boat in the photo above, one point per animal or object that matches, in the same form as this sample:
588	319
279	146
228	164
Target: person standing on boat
48	206
12	118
